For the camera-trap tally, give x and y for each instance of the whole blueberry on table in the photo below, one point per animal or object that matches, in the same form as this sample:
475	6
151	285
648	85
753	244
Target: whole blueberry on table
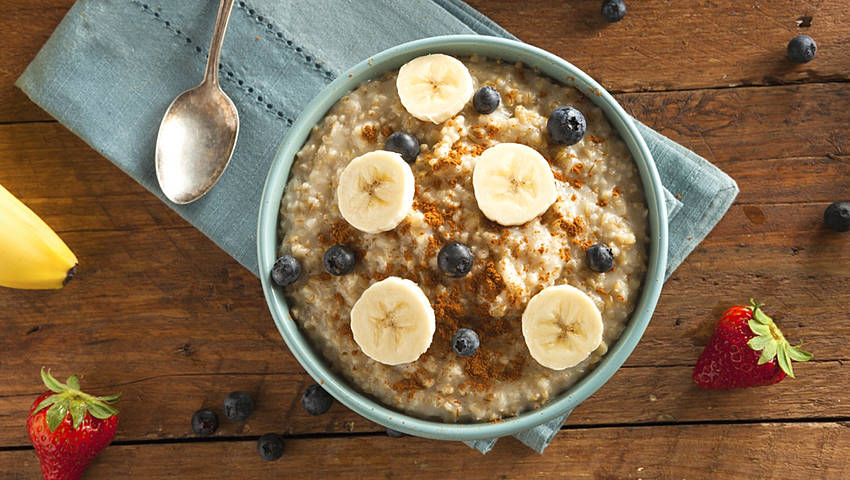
405	144
613	10
837	216
599	258
339	260
465	342
286	270
204	422
486	100
394	433
566	126
238	406
455	259
316	400
801	49
270	447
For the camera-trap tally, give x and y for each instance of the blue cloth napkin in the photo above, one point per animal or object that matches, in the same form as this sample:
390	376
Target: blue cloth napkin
111	68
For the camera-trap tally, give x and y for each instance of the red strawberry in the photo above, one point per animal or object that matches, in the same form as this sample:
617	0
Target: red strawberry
732	359
76	427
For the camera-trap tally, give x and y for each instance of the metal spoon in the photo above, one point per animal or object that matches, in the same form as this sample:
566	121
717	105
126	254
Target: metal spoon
198	132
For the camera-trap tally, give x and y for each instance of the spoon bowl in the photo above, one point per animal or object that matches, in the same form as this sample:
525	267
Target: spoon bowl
196	139
198	131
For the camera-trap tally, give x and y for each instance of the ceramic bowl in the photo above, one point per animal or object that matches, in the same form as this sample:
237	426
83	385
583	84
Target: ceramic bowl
391	59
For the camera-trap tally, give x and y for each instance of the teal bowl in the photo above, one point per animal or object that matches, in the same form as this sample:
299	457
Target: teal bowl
393	58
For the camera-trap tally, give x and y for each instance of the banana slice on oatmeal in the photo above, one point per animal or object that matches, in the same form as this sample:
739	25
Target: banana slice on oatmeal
513	184
375	191
561	326
393	322
434	88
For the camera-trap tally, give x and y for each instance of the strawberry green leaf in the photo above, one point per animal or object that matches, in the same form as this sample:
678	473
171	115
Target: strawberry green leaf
759	329
73	382
760	316
48	401
56	414
758	343
785	362
799	355
110	398
78	412
101	410
768	353
51	383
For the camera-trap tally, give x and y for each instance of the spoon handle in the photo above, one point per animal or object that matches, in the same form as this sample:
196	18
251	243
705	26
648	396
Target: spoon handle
224	8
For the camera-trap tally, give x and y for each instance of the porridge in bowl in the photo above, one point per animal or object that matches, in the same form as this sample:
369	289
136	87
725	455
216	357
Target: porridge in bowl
462	239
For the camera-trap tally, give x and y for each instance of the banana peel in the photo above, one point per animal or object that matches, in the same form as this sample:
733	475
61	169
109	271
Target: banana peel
32	256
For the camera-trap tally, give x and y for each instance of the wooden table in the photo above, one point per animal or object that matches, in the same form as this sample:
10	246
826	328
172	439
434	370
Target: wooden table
161	314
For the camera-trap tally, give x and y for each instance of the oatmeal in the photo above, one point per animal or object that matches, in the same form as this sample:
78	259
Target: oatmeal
598	199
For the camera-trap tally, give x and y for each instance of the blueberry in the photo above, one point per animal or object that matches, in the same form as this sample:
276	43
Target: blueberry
837	216
286	270
339	260
613	10
455	259
405	144
238	406
566	126
270	447
204	422
316	400
599	258
801	49
486	100
395	433
465	342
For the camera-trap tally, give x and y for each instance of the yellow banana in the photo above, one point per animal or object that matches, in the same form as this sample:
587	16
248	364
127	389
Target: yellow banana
32	256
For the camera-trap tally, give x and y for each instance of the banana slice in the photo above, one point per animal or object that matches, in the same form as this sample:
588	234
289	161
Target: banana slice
513	183
375	191
433	88
561	326
392	321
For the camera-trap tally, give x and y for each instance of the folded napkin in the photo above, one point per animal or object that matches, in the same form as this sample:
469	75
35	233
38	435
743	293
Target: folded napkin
112	67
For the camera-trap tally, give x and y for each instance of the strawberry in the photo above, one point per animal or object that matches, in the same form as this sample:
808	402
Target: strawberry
731	358
76	427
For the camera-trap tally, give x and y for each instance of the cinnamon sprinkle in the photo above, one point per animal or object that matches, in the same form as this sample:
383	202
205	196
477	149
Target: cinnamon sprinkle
369	133
574	228
577	168
559	176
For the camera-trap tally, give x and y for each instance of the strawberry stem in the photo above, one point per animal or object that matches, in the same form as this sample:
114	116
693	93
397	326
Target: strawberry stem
68	398
772	343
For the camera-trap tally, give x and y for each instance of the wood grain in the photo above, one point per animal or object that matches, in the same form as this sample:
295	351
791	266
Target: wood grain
635	395
659	45
26	24
765	451
667	44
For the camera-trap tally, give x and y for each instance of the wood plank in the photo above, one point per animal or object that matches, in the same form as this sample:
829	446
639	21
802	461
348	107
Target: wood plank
26	24
636	395
665	44
660	45
768	451
762	146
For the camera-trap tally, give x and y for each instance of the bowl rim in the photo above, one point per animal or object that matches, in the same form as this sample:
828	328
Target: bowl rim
548	63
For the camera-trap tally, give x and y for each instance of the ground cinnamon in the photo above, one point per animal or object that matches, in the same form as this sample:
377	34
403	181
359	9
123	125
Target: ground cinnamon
369	133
